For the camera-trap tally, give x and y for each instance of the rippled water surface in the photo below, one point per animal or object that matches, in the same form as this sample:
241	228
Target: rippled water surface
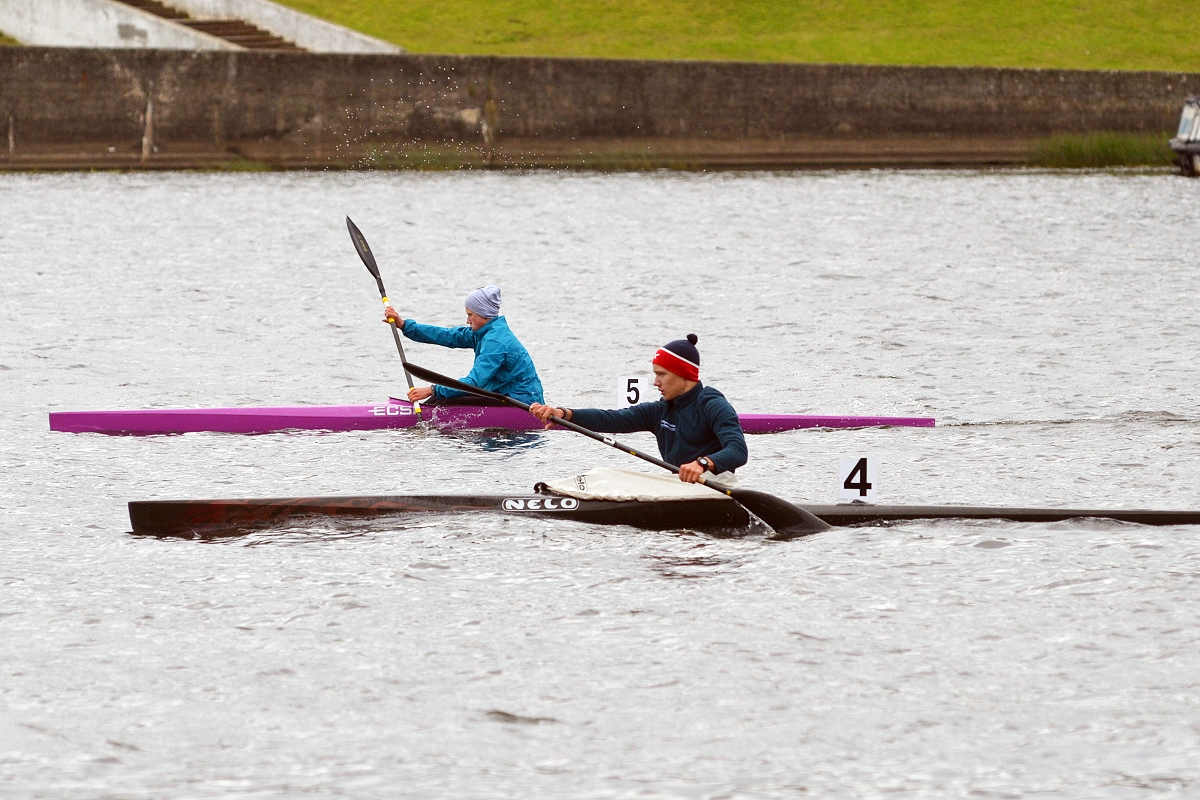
1048	321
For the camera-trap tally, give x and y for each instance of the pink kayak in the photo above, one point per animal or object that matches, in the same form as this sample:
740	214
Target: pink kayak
392	414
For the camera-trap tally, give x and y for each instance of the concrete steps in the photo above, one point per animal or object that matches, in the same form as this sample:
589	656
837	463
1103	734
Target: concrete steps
156	8
195	25
235	31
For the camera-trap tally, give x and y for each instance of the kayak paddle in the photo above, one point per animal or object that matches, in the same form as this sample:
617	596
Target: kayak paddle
784	517
368	258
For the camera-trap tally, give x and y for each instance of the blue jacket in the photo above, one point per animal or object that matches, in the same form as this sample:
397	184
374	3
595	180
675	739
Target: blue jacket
502	364
700	422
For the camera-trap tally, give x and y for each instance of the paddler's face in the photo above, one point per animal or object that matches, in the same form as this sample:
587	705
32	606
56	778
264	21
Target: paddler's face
668	383
475	321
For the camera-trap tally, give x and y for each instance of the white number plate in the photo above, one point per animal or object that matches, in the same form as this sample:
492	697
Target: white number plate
858	479
631	391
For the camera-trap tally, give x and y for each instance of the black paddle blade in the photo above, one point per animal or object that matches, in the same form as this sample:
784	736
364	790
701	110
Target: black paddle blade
789	521
364	252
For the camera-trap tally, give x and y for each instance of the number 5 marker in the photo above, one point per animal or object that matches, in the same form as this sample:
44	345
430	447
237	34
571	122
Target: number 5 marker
631	391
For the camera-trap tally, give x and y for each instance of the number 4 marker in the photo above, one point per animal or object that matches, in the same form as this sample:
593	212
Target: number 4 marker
858	479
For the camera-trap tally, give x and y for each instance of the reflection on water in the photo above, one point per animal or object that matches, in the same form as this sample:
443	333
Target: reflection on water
693	567
500	441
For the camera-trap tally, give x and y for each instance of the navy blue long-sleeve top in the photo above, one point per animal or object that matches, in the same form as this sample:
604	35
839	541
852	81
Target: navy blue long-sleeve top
700	422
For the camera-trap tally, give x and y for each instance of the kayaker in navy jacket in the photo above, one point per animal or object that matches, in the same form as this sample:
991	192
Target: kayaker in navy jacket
502	364
696	427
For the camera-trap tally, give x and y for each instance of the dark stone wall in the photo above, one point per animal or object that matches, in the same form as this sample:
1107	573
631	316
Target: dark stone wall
623	98
99	106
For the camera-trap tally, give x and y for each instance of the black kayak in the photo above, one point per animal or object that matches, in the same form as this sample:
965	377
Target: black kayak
235	516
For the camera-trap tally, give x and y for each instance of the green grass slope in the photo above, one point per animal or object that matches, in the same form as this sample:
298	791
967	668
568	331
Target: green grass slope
1074	34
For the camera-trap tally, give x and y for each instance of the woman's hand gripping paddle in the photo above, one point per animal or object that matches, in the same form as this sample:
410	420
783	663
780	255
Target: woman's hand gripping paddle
786	519
368	258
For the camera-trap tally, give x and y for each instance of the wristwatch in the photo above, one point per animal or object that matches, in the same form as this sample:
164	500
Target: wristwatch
704	462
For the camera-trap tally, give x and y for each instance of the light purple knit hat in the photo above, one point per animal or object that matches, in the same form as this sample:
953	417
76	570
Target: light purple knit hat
485	302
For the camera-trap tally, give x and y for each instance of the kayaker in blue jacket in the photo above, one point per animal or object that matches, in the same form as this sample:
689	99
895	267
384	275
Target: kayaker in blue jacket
502	364
696	427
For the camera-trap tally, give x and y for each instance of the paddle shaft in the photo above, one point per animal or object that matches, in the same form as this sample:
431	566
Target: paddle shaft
399	347
368	258
777	513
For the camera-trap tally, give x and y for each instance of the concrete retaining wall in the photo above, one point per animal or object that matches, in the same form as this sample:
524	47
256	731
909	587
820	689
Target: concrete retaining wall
169	108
